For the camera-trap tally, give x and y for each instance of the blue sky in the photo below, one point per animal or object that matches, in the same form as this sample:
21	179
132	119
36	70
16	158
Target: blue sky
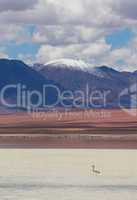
25	48
120	38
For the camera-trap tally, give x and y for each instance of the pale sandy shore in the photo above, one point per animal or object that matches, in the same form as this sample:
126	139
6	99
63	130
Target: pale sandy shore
114	129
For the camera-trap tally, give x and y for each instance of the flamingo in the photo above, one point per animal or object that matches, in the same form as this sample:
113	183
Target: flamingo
95	171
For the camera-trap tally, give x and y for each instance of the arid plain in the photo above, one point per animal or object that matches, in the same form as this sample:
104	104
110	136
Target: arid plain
70	129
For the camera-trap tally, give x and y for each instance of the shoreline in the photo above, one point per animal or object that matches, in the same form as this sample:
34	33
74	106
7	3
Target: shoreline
65	138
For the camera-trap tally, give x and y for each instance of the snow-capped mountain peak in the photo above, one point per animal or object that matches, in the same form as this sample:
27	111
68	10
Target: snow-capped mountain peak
69	63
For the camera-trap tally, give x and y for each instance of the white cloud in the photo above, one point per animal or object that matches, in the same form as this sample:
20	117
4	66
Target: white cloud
61	12
3	55
99	13
13	33
27	58
15	5
127	55
126	8
65	35
88	52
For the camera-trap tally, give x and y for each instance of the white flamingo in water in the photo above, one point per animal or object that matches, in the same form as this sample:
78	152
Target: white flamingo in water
94	170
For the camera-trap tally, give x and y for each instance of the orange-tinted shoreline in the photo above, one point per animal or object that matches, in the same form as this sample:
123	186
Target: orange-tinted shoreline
115	129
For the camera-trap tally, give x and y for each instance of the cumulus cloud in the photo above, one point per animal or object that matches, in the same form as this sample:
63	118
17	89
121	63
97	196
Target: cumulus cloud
62	12
16	5
27	58
3	55
89	52
126	8
106	13
13	33
124	59
65	35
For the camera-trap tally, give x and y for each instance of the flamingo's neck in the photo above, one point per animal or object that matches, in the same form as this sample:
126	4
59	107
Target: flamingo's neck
93	167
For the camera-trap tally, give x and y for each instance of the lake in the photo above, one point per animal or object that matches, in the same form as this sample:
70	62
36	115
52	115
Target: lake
62	174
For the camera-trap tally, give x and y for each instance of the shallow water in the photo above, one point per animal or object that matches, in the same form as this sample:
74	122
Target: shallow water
67	175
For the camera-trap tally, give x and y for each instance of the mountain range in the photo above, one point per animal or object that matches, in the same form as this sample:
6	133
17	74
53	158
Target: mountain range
69	75
76	75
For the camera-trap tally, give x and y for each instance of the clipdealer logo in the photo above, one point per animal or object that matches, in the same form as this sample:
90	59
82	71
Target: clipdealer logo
130	94
24	98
